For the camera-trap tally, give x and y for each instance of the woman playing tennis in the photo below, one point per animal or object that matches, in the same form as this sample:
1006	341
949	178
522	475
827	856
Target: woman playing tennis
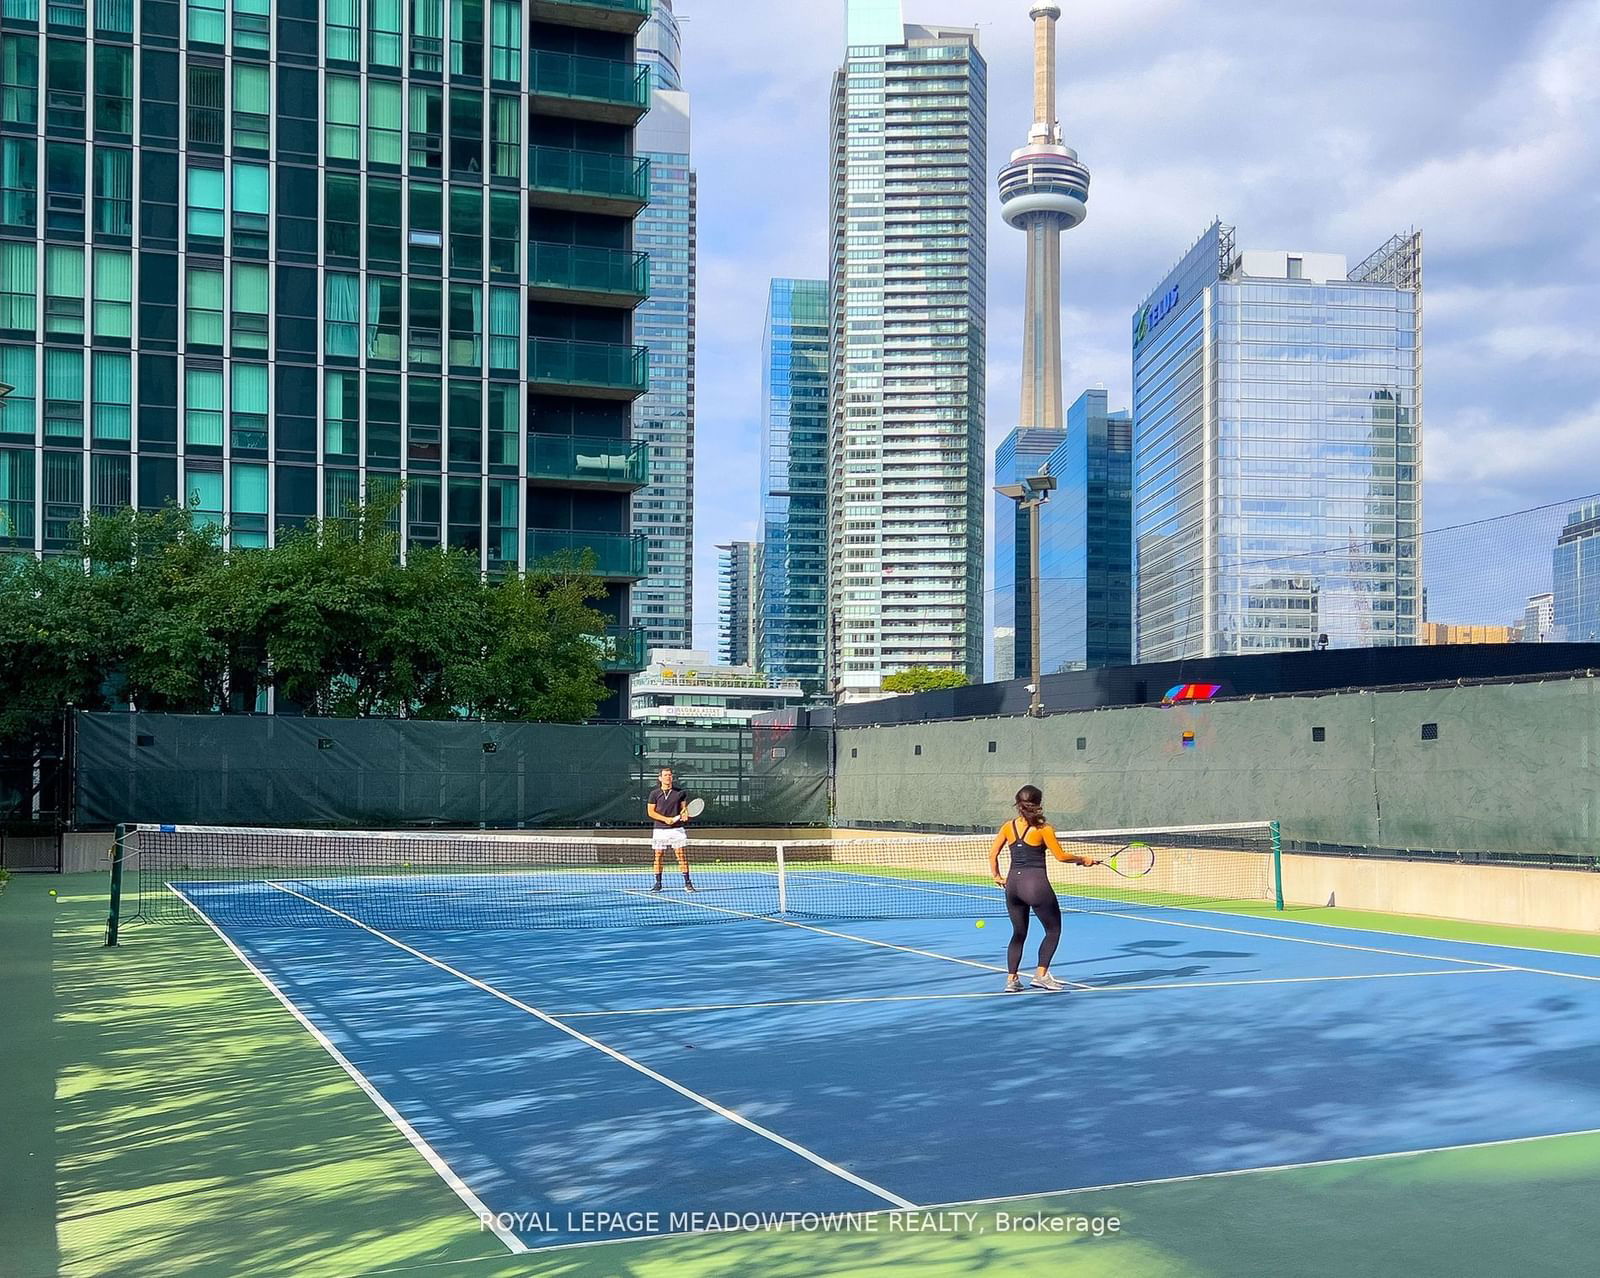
1028	885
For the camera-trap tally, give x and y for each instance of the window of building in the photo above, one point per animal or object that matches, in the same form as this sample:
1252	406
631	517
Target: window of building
110	483
466	232
202	405
383	33
19	184
203	308
17	417
342	308
383	320
423	517
203	492
1297	268
252	26
385	123
18	286
113	397
505	243
505	57
466	328
466	38
204	220
383	420
63	291
341	139
505	330
502	495
466	132
427	36
505	431
63	496
204	120
425	234
207	24
344	30
64	189
252	107
466	514
341	490
16	497
19	80
423	409
248	521
251	210
505	136
113	90
341	393
113	193
64	80
248	414
384	250
63	395
424	336
426	153
342	220
113	295
466	430
251	287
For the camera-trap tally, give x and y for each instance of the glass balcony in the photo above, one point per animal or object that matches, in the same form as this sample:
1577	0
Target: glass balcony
584	88
623	649
594	370
597	15
602	463
617	556
581	275
588	181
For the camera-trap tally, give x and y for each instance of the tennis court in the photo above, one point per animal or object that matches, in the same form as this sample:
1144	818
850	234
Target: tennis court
821	1028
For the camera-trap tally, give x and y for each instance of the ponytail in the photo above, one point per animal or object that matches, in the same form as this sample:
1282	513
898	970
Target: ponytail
1029	805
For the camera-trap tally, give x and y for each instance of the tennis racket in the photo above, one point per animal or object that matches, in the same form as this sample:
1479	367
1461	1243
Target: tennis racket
1132	860
694	807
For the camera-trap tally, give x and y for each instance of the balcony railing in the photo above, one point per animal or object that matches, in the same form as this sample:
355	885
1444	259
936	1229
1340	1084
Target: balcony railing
624	649
600	369
593	176
578	269
574	459
616	556
603	87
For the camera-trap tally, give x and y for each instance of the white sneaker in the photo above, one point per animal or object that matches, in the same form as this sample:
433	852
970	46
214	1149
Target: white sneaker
1046	982
1013	985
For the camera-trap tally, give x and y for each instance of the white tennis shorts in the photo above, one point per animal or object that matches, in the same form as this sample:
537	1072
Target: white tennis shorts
669	838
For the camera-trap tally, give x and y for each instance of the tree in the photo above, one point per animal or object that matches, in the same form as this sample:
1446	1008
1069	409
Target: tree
923	679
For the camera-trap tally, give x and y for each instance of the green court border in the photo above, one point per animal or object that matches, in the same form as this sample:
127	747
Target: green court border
168	1116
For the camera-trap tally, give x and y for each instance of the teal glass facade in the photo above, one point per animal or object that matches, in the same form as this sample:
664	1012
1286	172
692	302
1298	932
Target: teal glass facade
1576	576
663	603
260	255
794	483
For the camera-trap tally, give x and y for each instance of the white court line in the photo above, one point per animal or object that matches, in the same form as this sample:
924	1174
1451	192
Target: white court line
1267	936
1087	989
434	1160
620	1057
844	936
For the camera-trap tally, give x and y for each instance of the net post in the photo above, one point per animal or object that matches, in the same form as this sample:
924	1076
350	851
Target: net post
1277	865
114	917
783	882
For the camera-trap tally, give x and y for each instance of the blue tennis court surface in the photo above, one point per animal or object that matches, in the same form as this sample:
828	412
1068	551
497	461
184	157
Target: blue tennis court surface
757	1065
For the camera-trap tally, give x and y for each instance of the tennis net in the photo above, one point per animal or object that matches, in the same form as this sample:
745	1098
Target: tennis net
458	881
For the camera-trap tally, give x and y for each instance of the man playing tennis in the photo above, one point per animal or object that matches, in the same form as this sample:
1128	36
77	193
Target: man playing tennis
1027	885
666	808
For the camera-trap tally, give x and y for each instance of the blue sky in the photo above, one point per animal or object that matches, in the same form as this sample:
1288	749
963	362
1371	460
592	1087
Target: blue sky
1321	127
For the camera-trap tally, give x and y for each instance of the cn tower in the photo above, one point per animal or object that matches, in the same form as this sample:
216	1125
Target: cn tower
1043	191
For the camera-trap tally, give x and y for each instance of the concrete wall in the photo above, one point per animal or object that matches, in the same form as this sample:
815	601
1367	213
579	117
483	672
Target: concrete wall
1513	768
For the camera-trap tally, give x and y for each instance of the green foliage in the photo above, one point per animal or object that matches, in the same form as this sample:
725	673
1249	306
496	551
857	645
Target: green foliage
151	607
923	679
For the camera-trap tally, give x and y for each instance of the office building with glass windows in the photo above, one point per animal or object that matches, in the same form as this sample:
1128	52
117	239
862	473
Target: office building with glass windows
738	602
663	603
1575	607
1085	545
794	483
1277	433
262	256
906	448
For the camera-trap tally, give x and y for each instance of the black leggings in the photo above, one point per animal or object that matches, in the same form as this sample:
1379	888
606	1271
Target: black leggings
1025	890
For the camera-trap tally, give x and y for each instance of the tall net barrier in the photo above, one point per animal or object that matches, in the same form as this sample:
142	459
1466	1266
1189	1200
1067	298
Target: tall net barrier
390	773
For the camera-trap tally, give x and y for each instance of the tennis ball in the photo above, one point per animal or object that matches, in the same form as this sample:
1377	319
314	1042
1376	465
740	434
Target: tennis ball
980	922
52	891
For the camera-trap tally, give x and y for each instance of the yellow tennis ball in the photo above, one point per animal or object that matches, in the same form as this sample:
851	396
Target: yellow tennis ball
52	891
980	922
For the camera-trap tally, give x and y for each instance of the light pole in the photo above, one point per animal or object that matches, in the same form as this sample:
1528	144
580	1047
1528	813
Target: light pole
1029	495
